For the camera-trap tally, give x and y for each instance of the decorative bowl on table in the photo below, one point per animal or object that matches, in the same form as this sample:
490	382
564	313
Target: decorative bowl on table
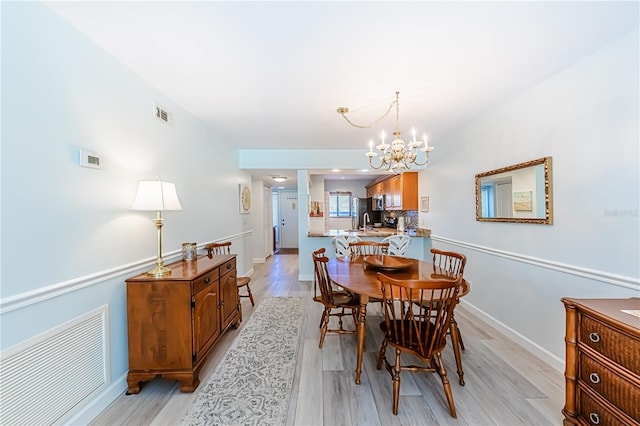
385	262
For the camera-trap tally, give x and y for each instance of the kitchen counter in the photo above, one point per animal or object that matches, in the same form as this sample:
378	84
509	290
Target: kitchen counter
373	232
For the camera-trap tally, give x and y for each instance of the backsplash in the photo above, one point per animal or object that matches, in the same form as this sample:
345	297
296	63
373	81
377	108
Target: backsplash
390	218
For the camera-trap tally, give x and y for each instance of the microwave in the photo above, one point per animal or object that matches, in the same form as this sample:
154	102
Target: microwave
377	203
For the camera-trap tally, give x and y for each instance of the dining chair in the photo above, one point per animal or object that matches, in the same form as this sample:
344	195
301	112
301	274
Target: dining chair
336	303
417	315
398	244
452	264
340	244
366	248
225	248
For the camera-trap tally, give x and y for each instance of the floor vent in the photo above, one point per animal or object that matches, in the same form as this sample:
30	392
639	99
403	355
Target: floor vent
45	379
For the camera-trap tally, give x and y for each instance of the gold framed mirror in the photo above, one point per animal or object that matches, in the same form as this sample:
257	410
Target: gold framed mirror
520	193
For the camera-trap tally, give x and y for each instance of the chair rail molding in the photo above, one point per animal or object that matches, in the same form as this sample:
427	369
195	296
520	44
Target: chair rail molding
22	300
606	277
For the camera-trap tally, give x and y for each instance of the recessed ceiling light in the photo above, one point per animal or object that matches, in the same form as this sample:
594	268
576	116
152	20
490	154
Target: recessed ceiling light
335	170
279	178
364	170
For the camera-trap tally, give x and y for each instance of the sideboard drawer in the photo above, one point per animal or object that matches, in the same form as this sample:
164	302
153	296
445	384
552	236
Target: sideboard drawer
610	385
228	266
595	413
204	281
613	344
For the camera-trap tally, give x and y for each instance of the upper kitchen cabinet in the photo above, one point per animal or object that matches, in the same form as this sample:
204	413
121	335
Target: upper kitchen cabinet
400	191
375	189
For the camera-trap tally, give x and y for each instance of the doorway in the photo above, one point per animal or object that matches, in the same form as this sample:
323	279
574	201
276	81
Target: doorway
288	219
504	203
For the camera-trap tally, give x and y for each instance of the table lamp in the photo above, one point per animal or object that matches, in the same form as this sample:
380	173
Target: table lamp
156	195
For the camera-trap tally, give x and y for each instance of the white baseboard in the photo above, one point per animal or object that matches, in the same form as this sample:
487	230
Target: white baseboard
536	350
99	403
259	260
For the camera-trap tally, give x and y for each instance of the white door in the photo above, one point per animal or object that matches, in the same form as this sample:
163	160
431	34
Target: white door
266	222
504	203
288	219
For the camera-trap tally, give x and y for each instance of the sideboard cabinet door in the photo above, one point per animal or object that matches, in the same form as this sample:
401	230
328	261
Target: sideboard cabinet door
206	319
229	290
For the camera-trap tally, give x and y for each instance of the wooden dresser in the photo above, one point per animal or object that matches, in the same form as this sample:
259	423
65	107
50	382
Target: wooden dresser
173	322
602	372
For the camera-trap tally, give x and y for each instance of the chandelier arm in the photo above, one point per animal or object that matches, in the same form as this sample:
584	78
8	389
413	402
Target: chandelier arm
426	160
374	167
366	126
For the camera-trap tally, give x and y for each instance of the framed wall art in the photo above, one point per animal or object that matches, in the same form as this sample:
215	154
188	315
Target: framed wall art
424	204
245	199
522	201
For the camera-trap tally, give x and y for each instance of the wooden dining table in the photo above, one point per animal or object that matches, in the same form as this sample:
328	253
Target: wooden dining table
358	274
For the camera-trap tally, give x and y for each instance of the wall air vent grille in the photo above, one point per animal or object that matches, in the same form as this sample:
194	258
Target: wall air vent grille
161	113
51	377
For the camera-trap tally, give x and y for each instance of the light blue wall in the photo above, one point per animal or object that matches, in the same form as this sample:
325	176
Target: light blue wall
587	119
356	187
68	237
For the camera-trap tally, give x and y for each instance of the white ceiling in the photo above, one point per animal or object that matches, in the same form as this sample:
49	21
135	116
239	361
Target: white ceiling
270	75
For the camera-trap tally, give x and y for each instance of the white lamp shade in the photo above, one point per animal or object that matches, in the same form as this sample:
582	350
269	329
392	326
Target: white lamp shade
156	195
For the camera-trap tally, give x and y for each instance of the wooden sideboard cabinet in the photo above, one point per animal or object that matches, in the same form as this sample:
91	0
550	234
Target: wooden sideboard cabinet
602	373
173	322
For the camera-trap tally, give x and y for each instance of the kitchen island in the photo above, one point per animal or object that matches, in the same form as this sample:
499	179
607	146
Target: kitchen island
418	249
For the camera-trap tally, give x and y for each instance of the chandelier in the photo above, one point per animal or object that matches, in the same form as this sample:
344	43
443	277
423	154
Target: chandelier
398	156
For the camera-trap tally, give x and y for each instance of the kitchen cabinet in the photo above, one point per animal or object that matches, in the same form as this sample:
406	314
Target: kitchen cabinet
173	322
400	191
602	371
375	190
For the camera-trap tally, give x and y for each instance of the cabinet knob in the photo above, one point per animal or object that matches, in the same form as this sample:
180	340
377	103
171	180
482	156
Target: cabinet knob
207	280
595	378
594	337
595	418
228	266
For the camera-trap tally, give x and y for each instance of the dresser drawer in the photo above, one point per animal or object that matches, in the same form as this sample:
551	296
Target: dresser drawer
202	282
605	382
228	266
613	344
595	413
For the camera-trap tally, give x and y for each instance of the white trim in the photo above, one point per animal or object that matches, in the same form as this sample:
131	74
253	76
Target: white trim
303	277
259	260
97	405
606	277
22	300
538	351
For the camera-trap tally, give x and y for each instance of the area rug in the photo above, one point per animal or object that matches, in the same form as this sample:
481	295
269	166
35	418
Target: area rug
252	383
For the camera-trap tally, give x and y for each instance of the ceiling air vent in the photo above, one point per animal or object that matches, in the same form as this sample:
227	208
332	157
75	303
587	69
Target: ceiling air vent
161	113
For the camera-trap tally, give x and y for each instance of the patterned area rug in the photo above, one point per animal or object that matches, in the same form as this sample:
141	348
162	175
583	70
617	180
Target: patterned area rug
252	383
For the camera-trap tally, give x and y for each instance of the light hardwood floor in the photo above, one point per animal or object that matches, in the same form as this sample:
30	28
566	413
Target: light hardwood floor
505	385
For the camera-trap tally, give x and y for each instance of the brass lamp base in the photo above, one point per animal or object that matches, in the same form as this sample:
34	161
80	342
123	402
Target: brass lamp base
159	271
